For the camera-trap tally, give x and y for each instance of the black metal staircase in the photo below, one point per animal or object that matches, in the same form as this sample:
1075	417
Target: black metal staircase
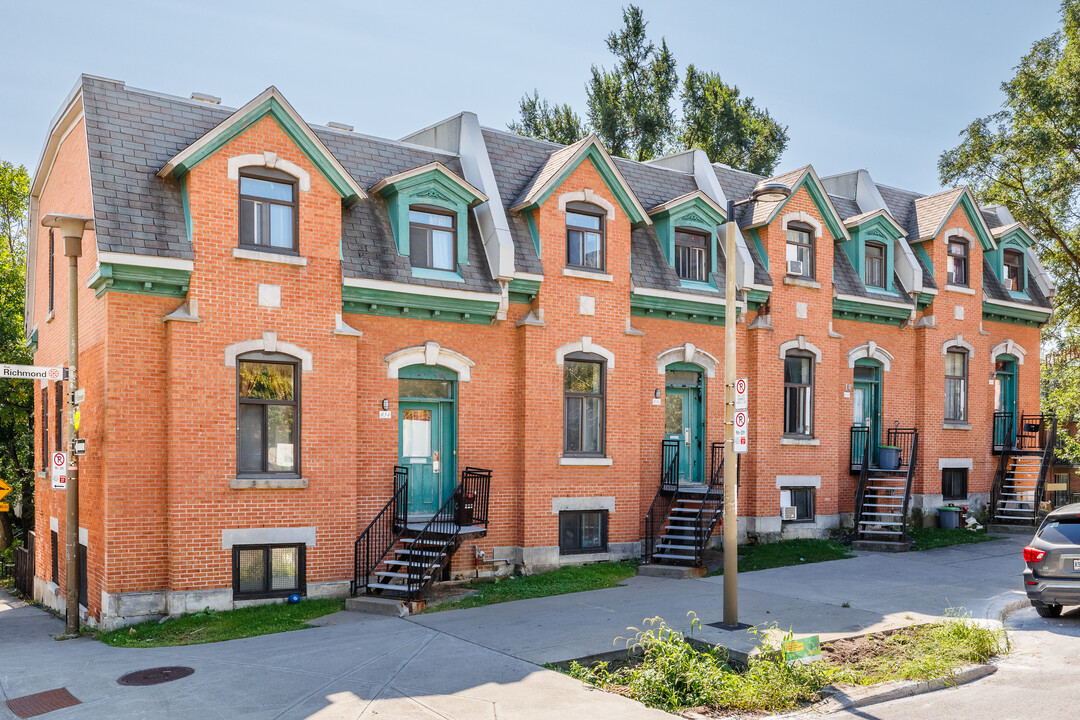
1024	464
398	558
883	495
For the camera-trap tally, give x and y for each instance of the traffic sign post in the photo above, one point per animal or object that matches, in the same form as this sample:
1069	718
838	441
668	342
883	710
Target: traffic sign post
742	418
742	386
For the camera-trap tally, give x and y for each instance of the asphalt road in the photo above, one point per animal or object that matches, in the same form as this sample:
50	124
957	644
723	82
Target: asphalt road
1039	680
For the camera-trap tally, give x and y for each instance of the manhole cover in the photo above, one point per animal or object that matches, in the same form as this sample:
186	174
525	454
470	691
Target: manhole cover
29	706
155	676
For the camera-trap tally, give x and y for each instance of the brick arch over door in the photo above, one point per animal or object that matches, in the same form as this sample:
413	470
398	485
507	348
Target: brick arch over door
687	353
430	353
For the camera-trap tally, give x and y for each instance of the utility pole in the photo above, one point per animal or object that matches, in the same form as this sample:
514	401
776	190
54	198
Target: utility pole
72	227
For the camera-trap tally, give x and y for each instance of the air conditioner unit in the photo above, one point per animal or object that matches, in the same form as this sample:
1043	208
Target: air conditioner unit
788	513
794	267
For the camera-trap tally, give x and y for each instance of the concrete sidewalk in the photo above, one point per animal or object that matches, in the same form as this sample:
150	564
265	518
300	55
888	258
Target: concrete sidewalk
881	591
363	666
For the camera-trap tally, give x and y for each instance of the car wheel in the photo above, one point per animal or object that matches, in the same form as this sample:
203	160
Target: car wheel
1047	611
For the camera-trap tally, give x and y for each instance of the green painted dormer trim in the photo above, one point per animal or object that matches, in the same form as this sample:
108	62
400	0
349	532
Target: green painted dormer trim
756	237
975	219
920	250
268	103
821	203
434	185
879	230
695	211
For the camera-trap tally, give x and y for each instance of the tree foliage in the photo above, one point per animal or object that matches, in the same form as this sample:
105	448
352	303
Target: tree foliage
1027	155
16	396
631	108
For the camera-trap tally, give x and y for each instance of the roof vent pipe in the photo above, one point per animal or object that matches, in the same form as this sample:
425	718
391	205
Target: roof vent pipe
206	98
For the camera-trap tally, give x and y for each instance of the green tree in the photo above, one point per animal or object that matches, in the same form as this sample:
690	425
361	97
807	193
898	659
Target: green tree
16	396
1027	155
631	108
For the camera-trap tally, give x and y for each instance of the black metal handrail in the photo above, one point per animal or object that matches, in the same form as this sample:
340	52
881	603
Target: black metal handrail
1002	431
475	489
712	504
1047	463
716	464
1004	454
665	496
864	474
860	447
1032	432
669	464
913	460
903	438
382	533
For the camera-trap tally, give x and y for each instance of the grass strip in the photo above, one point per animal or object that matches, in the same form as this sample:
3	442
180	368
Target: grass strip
209	626
786	553
570	579
930	538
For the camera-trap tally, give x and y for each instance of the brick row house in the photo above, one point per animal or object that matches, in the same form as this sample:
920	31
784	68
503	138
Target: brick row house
283	324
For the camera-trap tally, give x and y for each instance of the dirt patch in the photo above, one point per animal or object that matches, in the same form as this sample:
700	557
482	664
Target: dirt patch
850	651
441	592
710	713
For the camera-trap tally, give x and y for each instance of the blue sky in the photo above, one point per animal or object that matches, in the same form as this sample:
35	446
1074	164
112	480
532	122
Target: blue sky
884	86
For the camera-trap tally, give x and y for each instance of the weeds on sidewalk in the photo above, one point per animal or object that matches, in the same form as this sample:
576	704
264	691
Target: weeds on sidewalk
570	579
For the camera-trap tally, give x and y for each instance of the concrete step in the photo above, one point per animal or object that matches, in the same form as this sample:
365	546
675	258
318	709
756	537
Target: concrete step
677	572
1002	529
674	556
881	546
378	606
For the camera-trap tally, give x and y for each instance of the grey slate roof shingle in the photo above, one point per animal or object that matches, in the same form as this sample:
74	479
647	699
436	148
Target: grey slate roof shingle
846	281
995	290
846	207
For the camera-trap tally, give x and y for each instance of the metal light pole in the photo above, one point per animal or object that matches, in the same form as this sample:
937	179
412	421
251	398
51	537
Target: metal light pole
71	227
767	192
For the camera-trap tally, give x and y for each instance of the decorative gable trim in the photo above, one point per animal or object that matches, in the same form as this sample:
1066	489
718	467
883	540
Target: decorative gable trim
269	102
819	197
975	218
870	351
696	210
566	162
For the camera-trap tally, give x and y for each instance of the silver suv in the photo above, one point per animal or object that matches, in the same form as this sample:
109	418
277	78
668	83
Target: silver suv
1052	576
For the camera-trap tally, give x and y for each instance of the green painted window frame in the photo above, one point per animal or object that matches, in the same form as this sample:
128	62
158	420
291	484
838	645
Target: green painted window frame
706	247
884	264
429	232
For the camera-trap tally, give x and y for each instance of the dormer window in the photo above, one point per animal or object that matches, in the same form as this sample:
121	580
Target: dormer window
692	255
432	236
1014	270
875	265
584	236
800	251
268	211
958	262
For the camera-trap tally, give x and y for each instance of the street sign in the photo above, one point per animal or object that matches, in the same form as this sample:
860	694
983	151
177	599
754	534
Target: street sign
59	470
31	372
79	396
742	418
4	507
79	446
741	387
803	651
4	489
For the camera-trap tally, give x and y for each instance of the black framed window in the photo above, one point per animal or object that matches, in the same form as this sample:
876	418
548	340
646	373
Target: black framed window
956	386
875	265
958	262
269	417
798	395
52	267
954	483
1014	270
44	424
800	251
83	580
59	415
584	405
802	499
268	211
269	571
583	531
692	255
584	236
55	557
432	238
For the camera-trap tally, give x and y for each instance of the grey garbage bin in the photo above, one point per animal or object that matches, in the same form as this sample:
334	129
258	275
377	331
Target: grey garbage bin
949	517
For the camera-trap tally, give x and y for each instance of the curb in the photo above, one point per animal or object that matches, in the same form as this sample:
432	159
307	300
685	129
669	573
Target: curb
1012	607
847	697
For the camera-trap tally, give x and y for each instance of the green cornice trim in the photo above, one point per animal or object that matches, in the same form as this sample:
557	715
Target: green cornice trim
429	188
868	312
388	303
923	299
676	309
607	173
693	213
523	291
311	150
877	230
756	298
534	231
756	237
115	277
1017	236
32	341
187	207
1014	316
977	223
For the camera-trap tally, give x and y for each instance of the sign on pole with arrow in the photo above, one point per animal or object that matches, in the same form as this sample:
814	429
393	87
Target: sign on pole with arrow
4	490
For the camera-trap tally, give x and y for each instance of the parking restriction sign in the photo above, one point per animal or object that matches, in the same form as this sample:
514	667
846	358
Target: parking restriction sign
741	420
741	386
59	470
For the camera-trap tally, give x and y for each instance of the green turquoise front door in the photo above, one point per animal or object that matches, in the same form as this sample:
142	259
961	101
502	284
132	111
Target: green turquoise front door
1005	397
426	437
683	422
866	403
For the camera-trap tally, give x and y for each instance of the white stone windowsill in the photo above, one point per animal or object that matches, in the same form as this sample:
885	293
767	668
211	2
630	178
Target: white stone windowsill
801	282
800	441
960	289
955	426
50	316
595	461
586	275
270	257
268	483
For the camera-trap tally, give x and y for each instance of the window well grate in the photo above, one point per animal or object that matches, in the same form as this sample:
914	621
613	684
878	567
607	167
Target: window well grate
29	706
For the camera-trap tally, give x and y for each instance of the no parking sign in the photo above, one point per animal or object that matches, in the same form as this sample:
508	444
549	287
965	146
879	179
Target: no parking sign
742	419
59	470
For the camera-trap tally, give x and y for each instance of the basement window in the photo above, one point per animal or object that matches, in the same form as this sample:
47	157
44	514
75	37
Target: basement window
800	498
583	531
954	483
268	571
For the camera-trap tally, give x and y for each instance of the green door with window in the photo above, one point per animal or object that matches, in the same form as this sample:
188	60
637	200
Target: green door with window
684	419
427	433
866	403
1005	395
